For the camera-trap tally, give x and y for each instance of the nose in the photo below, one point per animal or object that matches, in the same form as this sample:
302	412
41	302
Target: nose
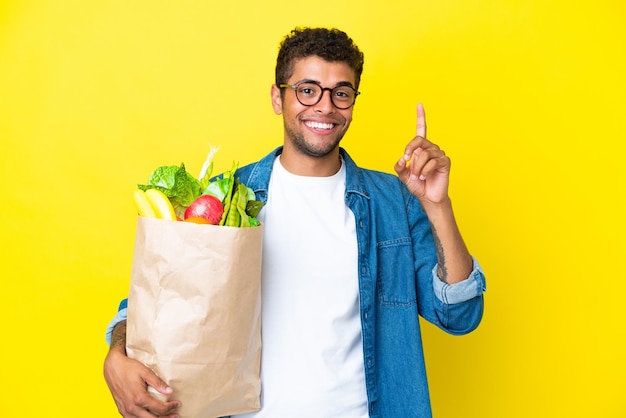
325	105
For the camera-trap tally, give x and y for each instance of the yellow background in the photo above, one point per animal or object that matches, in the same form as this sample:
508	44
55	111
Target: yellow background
526	96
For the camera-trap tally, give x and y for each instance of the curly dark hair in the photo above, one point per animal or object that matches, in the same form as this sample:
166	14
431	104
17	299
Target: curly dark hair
331	45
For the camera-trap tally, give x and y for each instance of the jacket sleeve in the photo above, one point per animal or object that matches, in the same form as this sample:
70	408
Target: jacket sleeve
456	308
120	316
459	306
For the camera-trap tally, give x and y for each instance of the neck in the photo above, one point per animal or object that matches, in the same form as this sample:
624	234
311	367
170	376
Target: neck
305	165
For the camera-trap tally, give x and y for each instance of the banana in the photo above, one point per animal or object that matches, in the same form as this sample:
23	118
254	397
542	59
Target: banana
144	208
160	204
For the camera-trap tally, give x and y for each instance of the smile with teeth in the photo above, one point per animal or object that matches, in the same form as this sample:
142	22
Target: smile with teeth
319	125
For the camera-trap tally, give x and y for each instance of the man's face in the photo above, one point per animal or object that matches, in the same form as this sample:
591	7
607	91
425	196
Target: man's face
314	130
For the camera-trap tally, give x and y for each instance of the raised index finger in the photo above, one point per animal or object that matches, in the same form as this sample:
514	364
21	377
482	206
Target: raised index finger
421	121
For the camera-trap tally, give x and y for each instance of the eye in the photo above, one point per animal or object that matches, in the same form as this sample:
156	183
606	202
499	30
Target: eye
343	93
308	89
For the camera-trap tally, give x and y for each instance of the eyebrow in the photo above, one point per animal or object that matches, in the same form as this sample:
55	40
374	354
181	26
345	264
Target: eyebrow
339	84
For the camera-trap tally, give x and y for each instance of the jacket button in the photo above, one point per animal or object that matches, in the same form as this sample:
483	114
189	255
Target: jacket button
372	407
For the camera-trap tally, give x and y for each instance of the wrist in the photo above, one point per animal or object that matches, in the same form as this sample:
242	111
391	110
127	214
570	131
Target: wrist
118	348
437	209
118	337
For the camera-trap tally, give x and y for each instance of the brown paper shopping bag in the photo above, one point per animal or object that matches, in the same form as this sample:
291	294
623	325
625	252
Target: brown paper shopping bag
194	313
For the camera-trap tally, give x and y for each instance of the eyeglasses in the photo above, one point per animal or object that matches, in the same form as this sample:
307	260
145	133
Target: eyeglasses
309	93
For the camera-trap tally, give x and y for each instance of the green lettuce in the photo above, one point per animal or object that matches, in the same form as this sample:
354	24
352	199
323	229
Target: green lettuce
177	184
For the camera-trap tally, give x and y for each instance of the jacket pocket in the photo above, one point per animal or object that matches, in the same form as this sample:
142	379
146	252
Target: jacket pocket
395	275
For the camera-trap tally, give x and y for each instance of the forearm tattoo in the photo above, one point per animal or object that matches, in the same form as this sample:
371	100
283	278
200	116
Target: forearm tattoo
119	334
442	270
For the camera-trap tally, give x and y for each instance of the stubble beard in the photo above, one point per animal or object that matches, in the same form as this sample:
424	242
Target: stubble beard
300	143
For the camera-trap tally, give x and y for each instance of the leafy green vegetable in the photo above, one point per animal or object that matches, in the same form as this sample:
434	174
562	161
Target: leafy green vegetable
233	218
230	177
253	207
207	169
178	185
241	210
218	188
241	205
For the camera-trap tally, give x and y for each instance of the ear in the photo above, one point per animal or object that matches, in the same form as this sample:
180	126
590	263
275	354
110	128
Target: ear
277	102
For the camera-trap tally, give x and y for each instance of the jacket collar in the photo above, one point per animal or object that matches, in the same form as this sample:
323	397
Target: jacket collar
259	178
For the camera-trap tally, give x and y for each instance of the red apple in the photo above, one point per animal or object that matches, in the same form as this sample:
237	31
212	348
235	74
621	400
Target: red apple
207	207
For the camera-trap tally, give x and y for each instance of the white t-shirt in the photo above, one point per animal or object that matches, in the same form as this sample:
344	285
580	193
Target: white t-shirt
312	358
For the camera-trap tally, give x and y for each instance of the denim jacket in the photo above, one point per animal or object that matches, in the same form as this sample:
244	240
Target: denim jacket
397	283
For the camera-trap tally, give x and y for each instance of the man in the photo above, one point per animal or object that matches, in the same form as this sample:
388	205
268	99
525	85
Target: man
351	258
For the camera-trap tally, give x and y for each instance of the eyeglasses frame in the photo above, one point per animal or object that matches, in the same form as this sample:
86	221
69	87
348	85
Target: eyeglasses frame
294	87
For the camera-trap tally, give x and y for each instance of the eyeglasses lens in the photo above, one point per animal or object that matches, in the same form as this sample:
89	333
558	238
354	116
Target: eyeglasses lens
310	93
